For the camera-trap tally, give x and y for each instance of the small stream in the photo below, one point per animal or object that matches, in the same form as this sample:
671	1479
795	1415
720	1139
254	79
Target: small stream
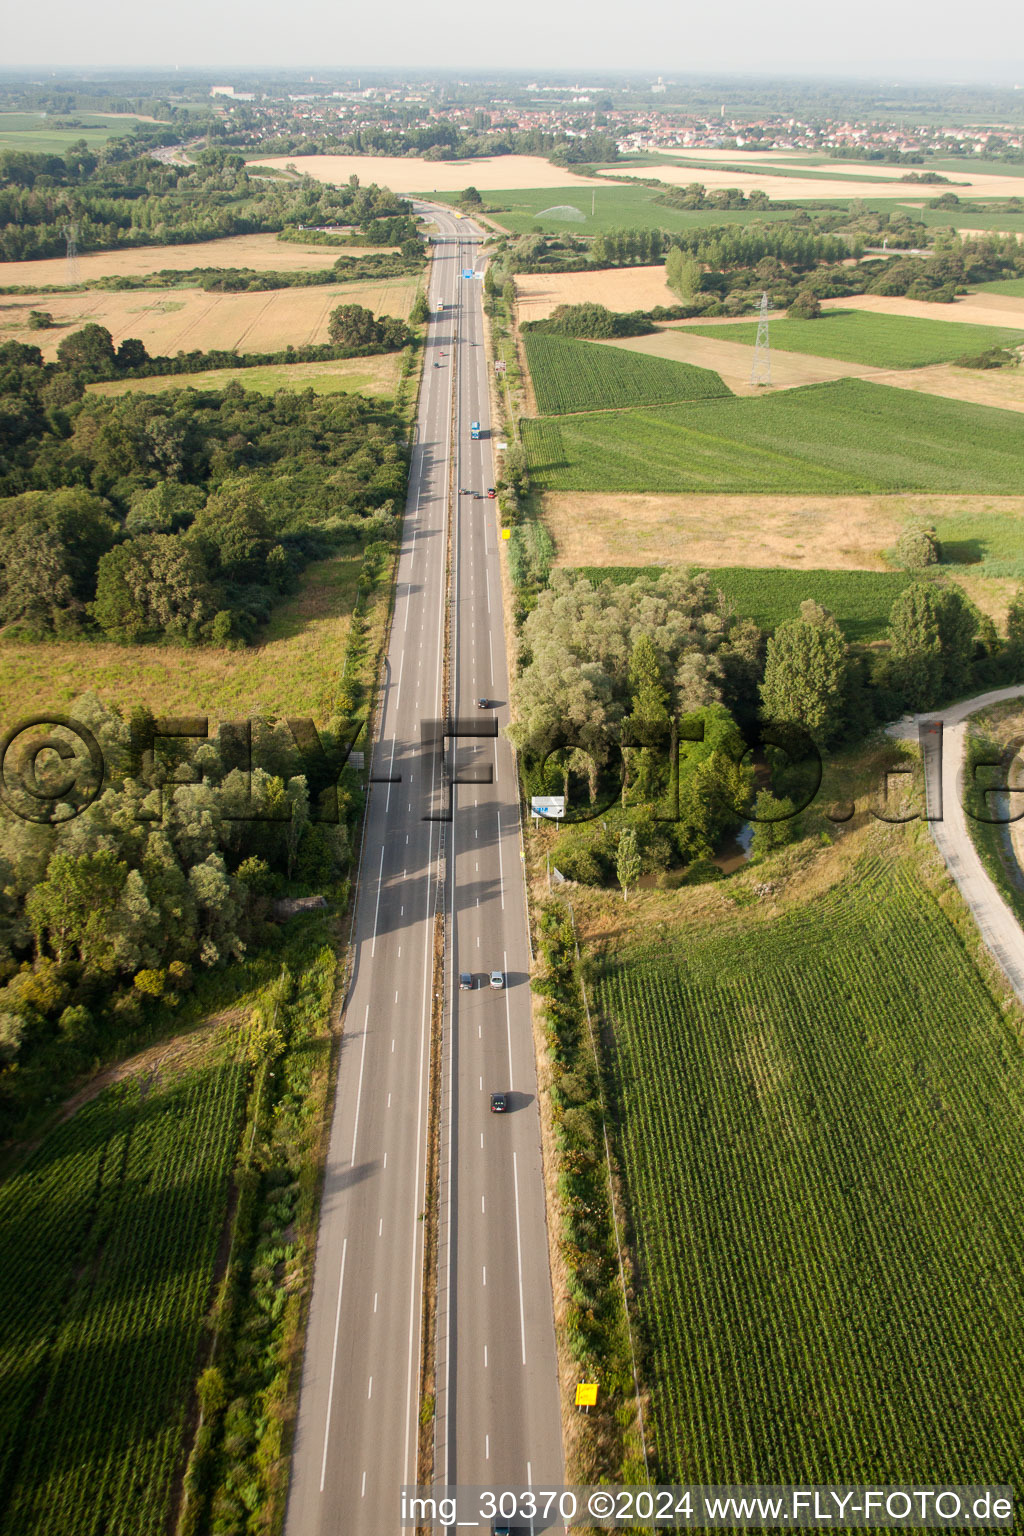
734	851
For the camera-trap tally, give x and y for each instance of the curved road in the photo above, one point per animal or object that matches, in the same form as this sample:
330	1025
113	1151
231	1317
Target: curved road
997	925
497	1400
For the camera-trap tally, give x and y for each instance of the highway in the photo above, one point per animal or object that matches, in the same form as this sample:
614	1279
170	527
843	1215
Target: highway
497	1411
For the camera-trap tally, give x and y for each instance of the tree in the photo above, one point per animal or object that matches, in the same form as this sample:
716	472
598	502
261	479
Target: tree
130	354
39	320
931	643
628	863
72	911
471	198
234	531
156	584
89	351
682	274
350	325
806	674
774	826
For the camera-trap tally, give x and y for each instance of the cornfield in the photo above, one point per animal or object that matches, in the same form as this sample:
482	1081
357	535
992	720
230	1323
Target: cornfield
822	1128
108	1239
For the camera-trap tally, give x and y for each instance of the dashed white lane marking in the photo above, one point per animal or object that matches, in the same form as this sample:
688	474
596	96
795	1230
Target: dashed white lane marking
359	1089
369	1390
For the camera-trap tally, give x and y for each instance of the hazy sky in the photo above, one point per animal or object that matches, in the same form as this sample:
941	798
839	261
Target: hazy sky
877	38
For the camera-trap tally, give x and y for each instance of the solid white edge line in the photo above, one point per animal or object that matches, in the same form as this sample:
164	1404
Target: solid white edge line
334	1361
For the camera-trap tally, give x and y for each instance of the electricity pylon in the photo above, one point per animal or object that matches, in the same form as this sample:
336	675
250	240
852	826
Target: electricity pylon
761	372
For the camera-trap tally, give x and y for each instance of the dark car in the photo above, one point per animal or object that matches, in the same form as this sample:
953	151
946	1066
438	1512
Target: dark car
499	1104
465	981
483	703
491	492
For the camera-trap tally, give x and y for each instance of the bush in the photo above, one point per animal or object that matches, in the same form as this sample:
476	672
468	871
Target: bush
918	547
806	306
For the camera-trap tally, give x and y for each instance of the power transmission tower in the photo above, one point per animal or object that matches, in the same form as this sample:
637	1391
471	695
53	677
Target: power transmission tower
761	372
71	236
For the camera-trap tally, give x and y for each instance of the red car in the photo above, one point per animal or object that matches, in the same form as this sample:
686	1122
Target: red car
491	492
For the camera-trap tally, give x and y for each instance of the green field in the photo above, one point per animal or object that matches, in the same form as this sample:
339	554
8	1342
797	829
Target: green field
108	1241
860	600
822	1135
964	217
38	134
624	207
843	437
880	341
570	375
1011	287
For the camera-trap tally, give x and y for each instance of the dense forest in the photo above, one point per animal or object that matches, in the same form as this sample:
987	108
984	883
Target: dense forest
110	200
181	516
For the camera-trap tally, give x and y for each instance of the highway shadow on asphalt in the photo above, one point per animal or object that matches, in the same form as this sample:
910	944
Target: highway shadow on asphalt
334	1183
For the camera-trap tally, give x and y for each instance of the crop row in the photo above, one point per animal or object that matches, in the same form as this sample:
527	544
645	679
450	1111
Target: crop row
824	1154
107	1243
878	340
570	375
839	438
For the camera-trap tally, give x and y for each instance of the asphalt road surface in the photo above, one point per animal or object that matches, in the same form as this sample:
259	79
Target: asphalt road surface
944	785
497	1404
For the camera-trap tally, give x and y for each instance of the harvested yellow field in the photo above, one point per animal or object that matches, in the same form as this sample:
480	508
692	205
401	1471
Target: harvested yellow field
263	253
190	320
795	532
828	182
970	309
979	386
620	288
732	360
415	175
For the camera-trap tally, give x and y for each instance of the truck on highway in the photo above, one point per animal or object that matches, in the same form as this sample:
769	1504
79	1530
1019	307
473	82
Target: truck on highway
474	431
440	306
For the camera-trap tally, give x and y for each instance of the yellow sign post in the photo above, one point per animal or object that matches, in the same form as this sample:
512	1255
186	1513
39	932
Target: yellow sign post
586	1394
506	533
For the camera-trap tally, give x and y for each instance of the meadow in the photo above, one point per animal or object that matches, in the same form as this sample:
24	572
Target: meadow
878	340
594	209
1010	287
843	437
822	1164
860	600
362	375
292	672
98	1366
191	320
571	375
37	134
